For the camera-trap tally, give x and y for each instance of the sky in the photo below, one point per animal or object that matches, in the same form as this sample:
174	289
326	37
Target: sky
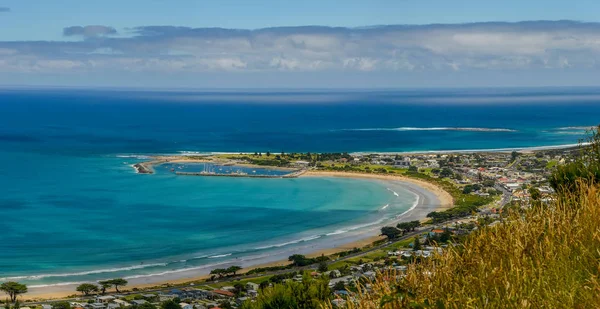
300	44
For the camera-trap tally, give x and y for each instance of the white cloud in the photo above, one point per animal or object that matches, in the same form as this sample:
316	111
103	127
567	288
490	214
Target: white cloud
487	46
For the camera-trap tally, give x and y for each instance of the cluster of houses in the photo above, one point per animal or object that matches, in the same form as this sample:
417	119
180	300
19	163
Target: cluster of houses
188	298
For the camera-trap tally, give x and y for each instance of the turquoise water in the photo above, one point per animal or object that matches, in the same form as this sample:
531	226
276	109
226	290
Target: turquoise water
74	219
73	209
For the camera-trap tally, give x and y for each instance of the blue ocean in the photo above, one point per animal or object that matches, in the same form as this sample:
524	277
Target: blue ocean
74	210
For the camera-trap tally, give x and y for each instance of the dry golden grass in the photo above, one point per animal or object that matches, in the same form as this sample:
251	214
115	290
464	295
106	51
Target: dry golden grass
544	257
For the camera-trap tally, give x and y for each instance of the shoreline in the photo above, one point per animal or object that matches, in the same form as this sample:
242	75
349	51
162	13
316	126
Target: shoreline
429	198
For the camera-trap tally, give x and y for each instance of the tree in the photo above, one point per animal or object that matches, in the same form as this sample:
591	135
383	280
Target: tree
300	260
417	244
535	194
514	155
61	305
104	285
170	304
390	232
234	269
87	288
323	267
219	272
339	286
225	305
446	172
446	235
116	283
13	289
268	154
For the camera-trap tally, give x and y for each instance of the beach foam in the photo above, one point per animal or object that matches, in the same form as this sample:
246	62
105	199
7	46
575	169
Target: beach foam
289	242
84	273
436	129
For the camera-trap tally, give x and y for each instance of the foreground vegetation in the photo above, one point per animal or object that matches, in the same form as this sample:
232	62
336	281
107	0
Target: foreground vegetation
542	257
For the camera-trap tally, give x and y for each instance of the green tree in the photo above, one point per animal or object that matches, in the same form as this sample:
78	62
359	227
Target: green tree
390	232
104	285
445	236
225	305
87	288
323	267
514	155
233	269
446	173
169	304
13	289
339	286
219	272
417	244
61	305
115	282
300	260
535	194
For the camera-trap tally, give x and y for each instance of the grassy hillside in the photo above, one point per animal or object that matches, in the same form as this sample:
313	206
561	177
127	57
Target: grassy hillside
547	256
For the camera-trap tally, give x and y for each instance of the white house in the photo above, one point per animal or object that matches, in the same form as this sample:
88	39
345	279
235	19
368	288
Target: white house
252	286
186	306
104	299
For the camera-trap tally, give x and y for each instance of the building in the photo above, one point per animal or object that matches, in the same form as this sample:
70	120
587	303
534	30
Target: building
252	286
222	293
404	163
104	299
138	302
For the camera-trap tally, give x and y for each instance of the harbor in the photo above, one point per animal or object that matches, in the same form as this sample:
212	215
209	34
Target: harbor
241	174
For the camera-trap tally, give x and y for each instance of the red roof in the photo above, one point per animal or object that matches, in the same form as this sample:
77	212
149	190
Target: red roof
224	293
437	231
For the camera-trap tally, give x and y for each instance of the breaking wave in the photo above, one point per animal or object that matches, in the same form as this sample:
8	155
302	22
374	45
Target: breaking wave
289	242
84	273
436	129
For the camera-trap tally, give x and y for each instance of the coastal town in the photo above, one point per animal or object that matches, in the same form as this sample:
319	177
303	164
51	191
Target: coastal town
482	185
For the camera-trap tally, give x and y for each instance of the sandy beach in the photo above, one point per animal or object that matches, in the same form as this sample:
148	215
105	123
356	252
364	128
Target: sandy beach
430	198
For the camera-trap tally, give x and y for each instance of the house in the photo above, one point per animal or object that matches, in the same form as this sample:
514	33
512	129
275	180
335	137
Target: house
240	300
252	293
95	306
229	288
302	163
165	297
404	163
104	299
252	286
345	279
121	303
222	293
138	302
46	306
186	306
370	275
149	296
333	273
